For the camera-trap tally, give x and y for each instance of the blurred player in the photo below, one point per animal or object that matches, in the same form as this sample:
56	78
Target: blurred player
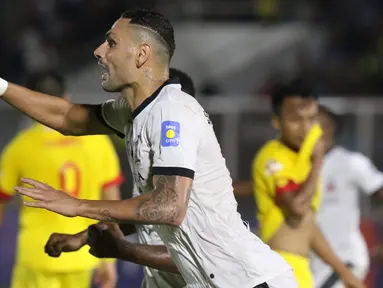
286	184
178	168
345	174
85	167
115	246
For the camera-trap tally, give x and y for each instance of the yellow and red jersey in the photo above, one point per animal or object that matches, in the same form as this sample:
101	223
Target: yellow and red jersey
278	169
80	166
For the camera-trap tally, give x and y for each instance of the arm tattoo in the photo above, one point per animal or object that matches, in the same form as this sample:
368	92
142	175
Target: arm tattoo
162	206
106	215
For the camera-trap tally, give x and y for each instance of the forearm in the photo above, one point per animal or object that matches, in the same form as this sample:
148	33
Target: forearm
54	112
153	256
321	247
165	205
138	210
309	187
43	108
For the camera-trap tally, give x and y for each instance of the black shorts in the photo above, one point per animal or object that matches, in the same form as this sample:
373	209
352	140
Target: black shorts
263	285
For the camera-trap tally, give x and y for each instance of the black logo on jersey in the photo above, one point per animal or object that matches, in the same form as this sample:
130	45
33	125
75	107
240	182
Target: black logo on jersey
207	117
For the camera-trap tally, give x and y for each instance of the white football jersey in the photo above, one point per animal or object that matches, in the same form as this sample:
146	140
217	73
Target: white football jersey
345	174
171	134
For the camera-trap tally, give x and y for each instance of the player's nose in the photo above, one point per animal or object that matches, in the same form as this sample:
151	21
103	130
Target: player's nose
99	53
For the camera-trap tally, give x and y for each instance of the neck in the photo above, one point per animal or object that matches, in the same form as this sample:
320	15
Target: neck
289	145
145	86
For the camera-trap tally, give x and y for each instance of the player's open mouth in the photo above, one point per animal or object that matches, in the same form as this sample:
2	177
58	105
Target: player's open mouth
105	75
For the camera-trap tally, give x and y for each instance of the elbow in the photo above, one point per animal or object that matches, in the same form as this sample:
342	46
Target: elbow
178	218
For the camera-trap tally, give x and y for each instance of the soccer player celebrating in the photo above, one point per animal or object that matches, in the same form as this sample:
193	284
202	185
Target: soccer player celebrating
286	184
345	174
107	239
85	167
178	169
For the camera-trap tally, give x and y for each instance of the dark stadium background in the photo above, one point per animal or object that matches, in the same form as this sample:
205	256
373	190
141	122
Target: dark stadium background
335	45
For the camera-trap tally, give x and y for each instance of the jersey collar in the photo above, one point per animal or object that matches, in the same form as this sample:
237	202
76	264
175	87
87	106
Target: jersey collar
151	98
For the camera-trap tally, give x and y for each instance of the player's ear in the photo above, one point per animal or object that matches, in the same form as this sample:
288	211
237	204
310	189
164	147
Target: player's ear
143	54
275	122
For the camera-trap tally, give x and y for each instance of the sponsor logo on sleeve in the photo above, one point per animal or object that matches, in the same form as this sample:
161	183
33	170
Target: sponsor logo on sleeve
170	133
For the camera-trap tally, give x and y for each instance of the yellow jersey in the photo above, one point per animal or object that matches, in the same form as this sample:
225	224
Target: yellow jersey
278	169
80	166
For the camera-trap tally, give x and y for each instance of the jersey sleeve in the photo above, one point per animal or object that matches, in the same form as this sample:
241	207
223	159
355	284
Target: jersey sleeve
110	170
368	178
9	170
115	114
174	138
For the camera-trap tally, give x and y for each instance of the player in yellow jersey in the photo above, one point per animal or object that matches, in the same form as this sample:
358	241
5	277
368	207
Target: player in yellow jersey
286	181
85	167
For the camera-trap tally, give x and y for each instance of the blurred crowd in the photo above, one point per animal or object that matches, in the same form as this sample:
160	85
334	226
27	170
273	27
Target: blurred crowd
43	34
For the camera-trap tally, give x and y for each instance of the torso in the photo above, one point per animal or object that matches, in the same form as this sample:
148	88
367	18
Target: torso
212	247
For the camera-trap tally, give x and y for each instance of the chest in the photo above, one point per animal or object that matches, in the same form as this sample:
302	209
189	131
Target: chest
338	185
140	156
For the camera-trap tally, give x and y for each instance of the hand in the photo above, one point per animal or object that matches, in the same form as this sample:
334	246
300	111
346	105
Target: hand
350	281
59	243
49	198
318	151
105	275
104	239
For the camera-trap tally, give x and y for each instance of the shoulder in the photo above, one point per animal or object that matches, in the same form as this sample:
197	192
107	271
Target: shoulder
18	143
174	102
98	142
358	160
270	155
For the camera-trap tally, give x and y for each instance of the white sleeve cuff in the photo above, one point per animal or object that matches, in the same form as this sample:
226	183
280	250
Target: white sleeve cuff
3	86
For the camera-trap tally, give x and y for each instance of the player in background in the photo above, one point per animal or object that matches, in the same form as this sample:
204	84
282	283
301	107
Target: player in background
150	252
286	175
178	168
85	167
344	175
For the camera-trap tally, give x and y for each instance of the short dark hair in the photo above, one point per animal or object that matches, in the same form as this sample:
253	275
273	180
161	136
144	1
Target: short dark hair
335	118
185	81
48	82
154	21
296	87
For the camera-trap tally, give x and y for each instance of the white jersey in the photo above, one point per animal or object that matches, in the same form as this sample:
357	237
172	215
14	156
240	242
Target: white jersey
344	175
154	278
171	134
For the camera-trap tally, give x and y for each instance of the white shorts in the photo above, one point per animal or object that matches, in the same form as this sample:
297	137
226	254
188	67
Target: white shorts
360	271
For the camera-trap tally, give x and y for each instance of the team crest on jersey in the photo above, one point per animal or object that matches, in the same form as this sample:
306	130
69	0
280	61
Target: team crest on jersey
282	182
170	133
273	167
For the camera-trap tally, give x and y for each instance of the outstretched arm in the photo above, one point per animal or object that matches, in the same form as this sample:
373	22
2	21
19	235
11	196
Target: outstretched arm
322	248
166	204
57	113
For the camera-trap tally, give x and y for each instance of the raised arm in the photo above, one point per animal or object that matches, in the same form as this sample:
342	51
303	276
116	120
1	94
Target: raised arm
294	199
57	113
322	248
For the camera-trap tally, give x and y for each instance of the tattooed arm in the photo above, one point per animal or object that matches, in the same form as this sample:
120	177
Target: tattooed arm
166	204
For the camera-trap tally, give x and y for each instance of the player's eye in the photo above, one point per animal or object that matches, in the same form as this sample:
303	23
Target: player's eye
111	42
